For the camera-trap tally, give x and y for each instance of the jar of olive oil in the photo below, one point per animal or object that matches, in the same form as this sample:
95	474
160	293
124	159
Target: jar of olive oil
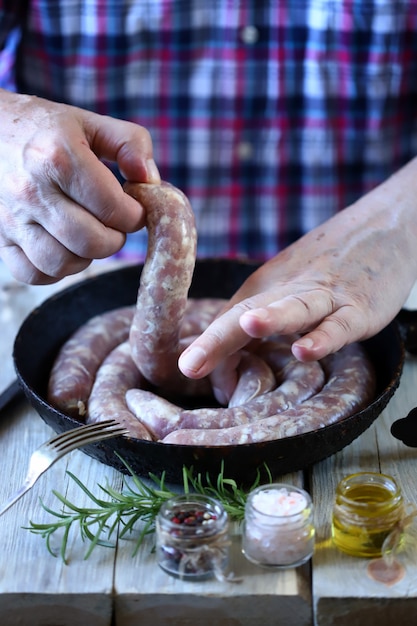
368	507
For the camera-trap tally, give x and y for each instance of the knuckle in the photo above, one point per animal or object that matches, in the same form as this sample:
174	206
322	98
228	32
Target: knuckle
48	158
99	244
27	193
142	134
21	268
342	324
304	304
248	304
216	336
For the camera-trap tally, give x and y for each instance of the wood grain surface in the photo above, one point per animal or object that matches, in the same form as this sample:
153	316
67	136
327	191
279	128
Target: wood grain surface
112	588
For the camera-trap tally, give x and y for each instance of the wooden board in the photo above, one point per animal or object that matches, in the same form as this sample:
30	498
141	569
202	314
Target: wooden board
343	592
112	588
147	595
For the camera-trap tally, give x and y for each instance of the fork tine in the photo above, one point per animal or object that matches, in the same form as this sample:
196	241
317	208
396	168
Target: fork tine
89	432
51	451
84	428
83	437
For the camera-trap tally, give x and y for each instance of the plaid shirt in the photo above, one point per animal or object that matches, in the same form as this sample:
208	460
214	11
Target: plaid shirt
271	115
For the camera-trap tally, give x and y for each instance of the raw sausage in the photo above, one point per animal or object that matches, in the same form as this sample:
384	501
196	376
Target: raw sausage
161	416
114	377
296	382
113	364
349	388
255	378
75	367
199	313
164	284
76	364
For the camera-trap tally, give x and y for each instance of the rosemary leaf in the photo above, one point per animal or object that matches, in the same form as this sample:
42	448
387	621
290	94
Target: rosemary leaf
135	508
63	543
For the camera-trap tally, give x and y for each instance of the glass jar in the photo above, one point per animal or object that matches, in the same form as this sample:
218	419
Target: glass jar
366	510
192	539
278	530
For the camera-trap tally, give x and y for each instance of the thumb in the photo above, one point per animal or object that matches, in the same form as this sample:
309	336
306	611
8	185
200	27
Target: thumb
125	143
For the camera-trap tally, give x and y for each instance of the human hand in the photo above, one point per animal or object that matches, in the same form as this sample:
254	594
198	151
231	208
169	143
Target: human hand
342	282
60	205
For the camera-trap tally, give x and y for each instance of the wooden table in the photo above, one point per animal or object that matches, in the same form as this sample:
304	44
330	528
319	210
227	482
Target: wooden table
114	588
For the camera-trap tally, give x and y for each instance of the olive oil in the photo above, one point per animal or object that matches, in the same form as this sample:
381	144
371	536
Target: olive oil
367	508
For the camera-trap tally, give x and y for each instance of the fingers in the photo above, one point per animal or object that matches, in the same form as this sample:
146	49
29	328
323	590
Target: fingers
76	230
125	143
52	238
60	205
337	330
130	146
25	271
91	186
326	327
293	313
70	167
221	339
333	326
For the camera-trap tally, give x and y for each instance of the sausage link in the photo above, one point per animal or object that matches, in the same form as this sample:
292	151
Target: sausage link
74	369
110	361
158	415
299	382
114	377
79	358
255	378
349	388
164	283
296	382
199	314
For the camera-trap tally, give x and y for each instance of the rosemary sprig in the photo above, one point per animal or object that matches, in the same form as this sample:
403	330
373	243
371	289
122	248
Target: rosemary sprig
137	502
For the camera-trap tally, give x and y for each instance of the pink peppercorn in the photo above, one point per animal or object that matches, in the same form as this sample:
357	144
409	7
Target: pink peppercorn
192	537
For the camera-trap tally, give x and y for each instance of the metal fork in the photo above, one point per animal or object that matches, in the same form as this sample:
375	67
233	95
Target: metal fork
50	451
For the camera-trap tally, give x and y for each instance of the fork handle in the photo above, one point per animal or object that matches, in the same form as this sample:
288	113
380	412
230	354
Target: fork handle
15	497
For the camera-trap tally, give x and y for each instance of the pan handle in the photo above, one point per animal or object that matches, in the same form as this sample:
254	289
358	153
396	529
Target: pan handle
405	428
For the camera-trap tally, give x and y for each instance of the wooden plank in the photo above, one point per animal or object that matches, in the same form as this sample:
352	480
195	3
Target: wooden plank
30	578
82	592
155	598
35	587
147	595
343	592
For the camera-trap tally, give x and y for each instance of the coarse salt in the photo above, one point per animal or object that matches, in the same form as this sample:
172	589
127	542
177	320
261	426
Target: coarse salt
278	529
279	502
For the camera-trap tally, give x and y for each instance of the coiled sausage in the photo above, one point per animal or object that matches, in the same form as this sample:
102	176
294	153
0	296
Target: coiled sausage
114	377
349	387
295	383
74	369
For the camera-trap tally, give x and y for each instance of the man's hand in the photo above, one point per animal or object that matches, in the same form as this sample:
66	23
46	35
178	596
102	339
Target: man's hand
60	205
342	282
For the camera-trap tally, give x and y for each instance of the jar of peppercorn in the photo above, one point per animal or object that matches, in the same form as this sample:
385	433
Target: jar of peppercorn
192	540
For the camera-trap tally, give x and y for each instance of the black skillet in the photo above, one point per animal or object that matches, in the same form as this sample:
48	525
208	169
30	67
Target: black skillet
49	325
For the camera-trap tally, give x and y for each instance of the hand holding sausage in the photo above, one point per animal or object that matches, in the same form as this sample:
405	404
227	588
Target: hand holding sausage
342	282
60	205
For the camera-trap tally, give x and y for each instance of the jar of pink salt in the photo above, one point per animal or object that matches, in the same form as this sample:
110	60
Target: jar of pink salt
278	530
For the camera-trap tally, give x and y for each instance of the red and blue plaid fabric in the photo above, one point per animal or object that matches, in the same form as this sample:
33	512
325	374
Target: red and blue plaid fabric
271	115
